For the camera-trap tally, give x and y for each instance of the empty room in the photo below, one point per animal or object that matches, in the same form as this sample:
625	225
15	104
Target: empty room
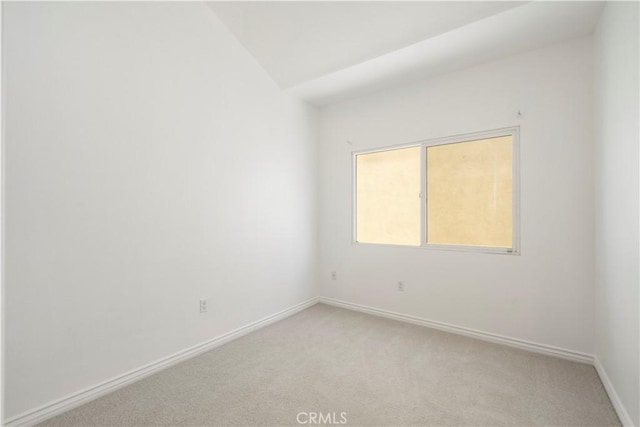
312	213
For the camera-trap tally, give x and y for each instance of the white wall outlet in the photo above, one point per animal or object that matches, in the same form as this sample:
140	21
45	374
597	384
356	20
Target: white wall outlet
334	275
204	306
401	286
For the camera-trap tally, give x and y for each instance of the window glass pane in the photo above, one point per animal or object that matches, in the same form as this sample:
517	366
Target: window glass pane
469	193
388	197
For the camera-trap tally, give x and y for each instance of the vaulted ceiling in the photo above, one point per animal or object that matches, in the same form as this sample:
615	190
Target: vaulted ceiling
327	51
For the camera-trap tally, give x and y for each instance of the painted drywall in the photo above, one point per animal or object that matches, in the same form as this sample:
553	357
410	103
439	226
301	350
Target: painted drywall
616	201
150	162
545	295
299	41
526	27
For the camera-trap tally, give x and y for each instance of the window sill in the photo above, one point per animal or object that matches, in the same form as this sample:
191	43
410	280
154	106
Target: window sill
449	248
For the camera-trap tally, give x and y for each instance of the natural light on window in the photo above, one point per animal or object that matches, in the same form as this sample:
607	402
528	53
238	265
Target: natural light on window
388	197
469	188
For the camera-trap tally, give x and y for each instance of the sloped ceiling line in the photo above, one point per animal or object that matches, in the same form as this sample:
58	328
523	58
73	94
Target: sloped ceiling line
325	52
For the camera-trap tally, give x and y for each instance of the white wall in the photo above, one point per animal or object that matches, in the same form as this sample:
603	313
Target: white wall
150	162
546	294
617	192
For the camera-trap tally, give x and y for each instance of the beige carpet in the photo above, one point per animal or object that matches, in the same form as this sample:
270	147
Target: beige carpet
377	371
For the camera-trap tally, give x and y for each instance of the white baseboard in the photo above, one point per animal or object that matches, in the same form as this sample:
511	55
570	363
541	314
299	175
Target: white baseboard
500	339
81	397
459	330
625	419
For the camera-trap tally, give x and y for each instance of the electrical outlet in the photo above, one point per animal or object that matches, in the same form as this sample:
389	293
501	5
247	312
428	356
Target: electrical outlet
203	306
334	275
400	286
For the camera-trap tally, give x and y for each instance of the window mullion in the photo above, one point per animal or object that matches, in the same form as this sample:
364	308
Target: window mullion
423	195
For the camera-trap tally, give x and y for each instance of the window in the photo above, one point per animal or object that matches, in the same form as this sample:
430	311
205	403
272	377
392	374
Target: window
469	185
388	196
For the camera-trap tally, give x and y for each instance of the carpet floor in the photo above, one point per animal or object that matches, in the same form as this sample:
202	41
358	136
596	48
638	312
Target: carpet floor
365	370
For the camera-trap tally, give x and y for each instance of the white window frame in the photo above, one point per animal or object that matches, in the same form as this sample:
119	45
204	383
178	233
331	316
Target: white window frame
514	132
